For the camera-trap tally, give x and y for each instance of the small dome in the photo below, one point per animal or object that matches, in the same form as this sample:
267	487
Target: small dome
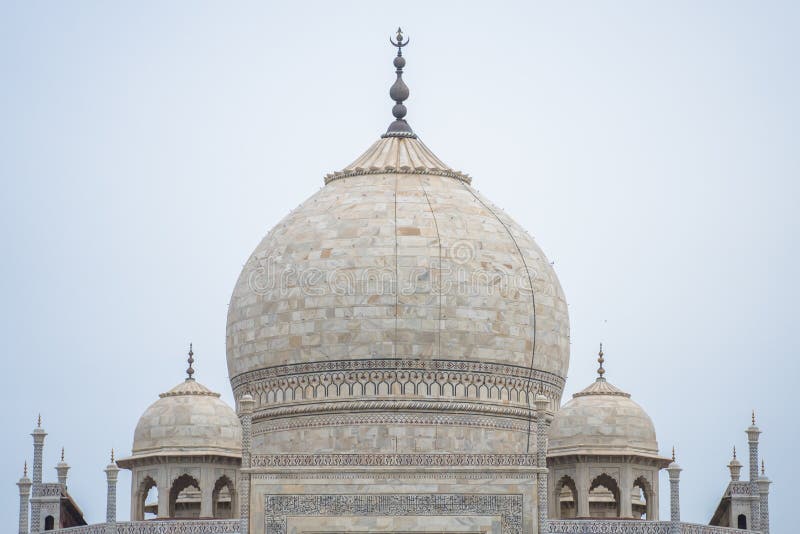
602	419
188	419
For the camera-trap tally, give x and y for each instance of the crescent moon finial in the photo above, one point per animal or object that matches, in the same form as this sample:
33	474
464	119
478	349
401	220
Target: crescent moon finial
399	91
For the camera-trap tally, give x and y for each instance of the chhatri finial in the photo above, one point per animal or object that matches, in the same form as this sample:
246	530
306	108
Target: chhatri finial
399	92
190	370
600	360
734	452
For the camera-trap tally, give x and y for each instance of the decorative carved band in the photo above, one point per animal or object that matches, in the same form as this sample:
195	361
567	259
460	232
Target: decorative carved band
388	418
397	377
278	507
393	405
181	526
394	460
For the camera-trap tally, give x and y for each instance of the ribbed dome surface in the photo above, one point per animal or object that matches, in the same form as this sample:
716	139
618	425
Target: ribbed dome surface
323	284
602	419
188	419
392	291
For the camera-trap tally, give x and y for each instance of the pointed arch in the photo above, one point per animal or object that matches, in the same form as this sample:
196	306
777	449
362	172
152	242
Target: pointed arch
610	484
147	488
223	498
647	491
565	498
184	497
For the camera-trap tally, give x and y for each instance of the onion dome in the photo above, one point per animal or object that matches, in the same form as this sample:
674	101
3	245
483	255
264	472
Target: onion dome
602	420
189	419
397	281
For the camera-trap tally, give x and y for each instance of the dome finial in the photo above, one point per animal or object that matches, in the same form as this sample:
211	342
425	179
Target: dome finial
190	370
600	360
399	92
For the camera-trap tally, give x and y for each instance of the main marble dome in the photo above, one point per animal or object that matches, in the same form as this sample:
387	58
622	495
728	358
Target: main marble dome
387	295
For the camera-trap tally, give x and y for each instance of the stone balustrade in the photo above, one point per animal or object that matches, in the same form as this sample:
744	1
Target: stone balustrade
611	526
203	526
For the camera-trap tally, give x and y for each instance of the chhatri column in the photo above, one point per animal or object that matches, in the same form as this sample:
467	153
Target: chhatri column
541	402
62	468
763	493
112	472
38	446
246	404
752	439
674	471
24	499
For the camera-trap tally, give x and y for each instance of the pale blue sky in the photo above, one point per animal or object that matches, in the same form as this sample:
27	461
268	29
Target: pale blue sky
650	147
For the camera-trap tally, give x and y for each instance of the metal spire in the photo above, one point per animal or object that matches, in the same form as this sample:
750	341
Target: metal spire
25	470
600	360
62	454
673	454
734	452
399	92
754	418
762	467
39	421
190	370
112	455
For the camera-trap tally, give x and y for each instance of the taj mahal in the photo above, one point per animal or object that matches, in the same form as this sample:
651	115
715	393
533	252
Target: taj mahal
398	348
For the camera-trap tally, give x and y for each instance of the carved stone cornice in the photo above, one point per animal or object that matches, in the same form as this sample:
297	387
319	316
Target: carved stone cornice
389	418
393	405
394	460
428	366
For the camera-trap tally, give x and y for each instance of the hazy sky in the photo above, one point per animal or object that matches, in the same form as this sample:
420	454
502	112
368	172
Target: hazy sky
650	147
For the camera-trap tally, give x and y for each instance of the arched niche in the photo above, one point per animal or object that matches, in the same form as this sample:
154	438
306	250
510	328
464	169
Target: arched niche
566	498
604	497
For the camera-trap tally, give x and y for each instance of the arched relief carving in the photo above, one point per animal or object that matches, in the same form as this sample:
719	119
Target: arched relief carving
398	378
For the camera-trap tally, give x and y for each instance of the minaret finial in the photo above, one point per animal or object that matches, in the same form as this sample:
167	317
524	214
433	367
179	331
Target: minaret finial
673	453
39	421
399	92
62	454
25	470
753	418
190	370
112	455
762	467
734	452
600	360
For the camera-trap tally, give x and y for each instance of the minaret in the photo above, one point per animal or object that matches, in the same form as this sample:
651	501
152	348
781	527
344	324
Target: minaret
246	404
763	493
399	93
541	403
24	497
112	471
38	447
61	469
674	471
735	467
752	439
